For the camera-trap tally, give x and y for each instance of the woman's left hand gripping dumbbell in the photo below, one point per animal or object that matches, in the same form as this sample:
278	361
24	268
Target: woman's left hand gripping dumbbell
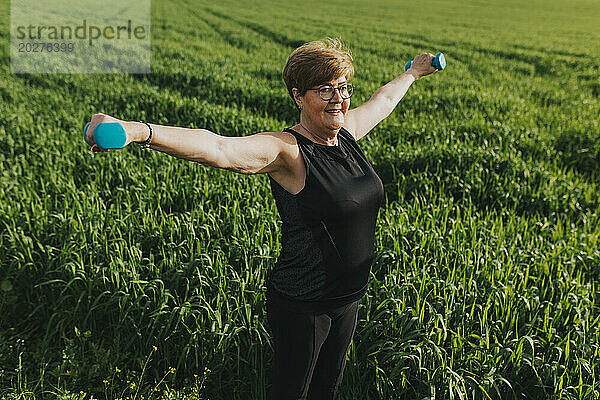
105	133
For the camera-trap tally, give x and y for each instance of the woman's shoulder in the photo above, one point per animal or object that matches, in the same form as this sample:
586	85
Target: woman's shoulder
297	141
290	146
294	133
293	177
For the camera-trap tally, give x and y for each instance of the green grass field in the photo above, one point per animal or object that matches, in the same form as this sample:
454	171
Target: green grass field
136	275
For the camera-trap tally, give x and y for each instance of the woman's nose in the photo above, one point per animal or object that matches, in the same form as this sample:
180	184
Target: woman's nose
337	96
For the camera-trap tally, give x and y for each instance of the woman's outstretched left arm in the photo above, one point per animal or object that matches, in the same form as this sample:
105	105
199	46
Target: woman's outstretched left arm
360	120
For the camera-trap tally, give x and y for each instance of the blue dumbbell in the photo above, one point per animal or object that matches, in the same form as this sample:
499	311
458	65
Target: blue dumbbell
439	62
107	135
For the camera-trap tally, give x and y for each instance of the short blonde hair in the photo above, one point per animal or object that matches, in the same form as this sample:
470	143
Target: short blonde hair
315	63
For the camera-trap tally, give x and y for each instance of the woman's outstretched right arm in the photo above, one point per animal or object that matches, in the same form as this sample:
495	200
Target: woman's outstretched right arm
255	154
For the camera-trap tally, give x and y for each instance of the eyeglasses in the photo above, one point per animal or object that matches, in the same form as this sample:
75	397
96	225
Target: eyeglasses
327	92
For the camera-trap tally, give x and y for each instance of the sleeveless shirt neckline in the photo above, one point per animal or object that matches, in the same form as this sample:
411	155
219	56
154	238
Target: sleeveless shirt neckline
339	144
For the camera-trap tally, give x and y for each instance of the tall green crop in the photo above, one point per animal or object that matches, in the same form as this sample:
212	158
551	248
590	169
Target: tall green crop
130	271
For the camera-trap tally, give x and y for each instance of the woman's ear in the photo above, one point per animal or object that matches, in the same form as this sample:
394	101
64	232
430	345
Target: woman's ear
297	97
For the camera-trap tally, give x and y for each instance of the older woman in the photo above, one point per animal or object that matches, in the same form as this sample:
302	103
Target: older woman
328	197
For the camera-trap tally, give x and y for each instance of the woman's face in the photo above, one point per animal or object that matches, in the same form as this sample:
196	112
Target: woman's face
325	114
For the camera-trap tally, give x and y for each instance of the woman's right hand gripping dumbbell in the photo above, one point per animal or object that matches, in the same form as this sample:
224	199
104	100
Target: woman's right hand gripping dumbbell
105	133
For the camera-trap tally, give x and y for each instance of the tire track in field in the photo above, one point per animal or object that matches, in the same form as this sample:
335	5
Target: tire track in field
237	41
191	84
259	100
260	29
549	51
235	37
543	64
416	42
209	26
224	35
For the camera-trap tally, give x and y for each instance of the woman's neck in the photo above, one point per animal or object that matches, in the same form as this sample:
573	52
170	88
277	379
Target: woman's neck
315	135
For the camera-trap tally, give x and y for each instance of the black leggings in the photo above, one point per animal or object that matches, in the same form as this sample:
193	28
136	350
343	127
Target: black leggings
310	351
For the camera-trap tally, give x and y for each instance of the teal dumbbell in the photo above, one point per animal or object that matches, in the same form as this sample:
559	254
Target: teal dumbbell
439	62
107	135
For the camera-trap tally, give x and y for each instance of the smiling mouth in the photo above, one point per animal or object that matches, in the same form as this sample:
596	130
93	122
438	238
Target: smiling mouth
333	111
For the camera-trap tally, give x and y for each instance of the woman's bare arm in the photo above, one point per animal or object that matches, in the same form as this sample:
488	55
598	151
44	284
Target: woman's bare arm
255	154
360	120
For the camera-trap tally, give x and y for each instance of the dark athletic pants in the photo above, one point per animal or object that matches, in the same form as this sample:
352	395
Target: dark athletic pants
310	351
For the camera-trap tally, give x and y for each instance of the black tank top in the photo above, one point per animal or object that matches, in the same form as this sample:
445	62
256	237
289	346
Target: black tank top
328	228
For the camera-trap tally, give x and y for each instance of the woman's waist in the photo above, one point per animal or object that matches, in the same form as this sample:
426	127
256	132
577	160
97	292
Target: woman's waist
324	303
